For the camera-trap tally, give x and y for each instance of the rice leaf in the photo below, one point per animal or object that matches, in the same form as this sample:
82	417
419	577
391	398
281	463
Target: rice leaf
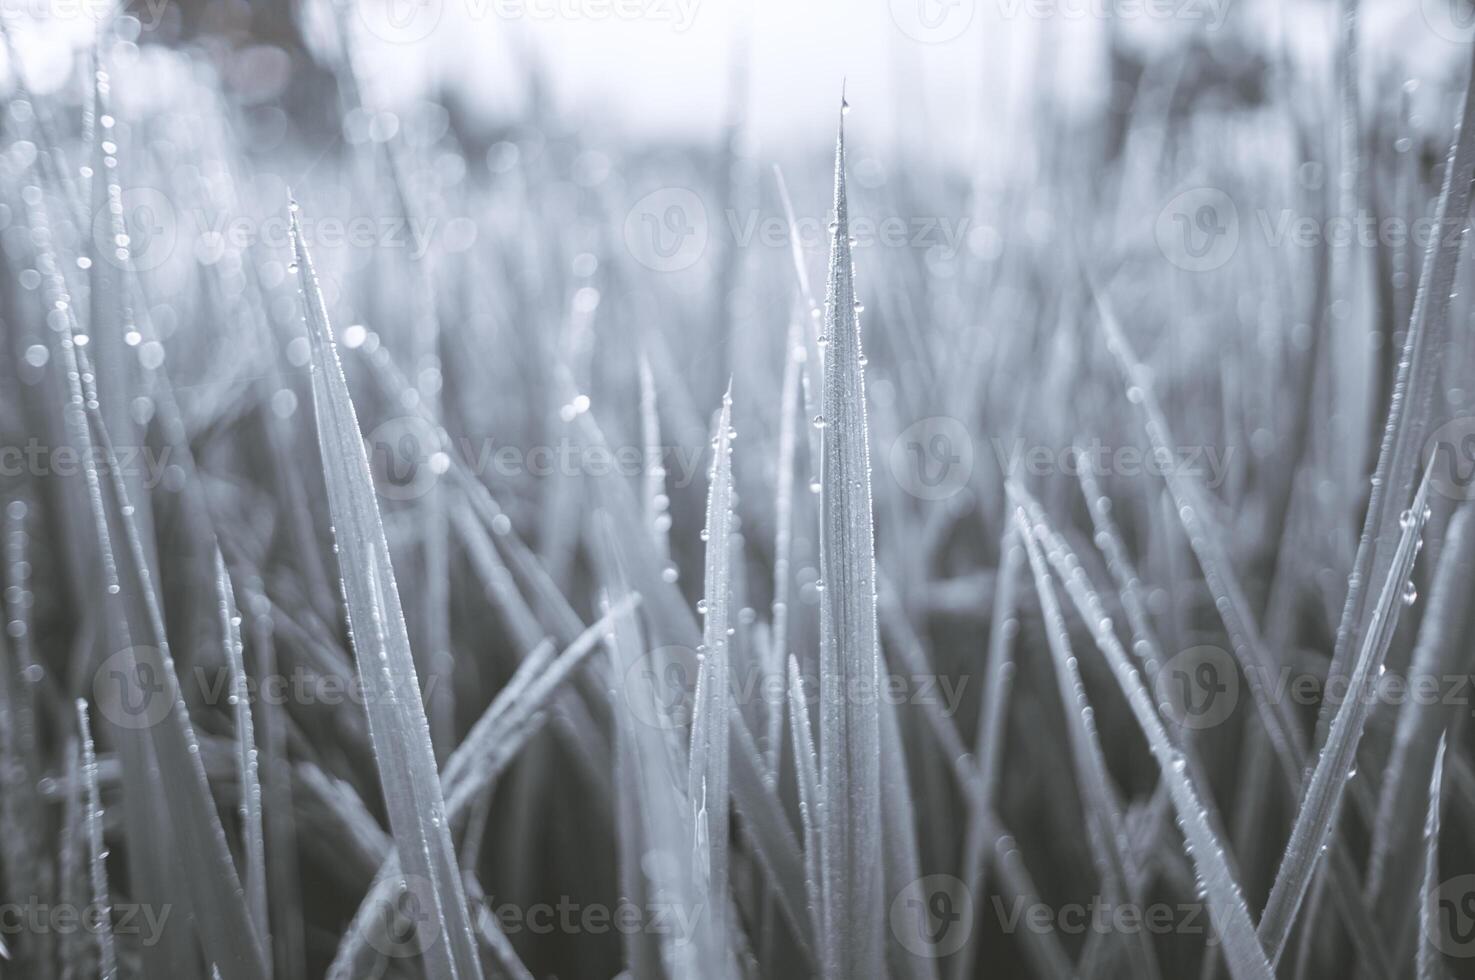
1322	803
1431	960
252	833
397	724
708	767
1106	832
1230	915
849	745
97	851
806	777
1411	405
1442	651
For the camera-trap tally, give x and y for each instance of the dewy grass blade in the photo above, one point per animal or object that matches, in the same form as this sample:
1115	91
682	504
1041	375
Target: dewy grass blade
397	724
1431	959
1322	804
252	835
96	850
806	778
1442	651
1411	404
708	767
1106	831
1227	909
226	929
849	746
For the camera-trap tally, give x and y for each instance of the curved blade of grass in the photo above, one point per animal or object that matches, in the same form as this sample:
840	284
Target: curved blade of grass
1227	909
250	784
1321	806
397	724
850	822
97	851
1431	960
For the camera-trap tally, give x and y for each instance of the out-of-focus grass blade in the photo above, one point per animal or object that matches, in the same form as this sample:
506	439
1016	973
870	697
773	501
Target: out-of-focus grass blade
97	851
708	767
1322	804
250	785
1431	960
806	778
988	744
397	723
1227	909
225	925
658	520
850	656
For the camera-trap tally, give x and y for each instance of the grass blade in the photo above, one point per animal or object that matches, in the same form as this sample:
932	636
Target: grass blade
1431	960
97	851
397	724
1227	909
1317	818
850	823
248	780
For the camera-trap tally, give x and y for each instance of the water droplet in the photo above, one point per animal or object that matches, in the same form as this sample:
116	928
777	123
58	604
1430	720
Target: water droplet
1410	594
819	421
